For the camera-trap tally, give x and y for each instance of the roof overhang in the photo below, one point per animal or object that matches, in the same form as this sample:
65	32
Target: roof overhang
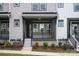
39	14
5	14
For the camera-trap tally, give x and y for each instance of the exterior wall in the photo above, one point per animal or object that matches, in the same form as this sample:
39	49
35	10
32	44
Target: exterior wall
64	13
16	32
16	13
28	7
5	7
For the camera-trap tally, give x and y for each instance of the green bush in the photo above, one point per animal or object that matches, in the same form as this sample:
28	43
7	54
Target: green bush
67	46
45	45
60	44
36	44
7	44
17	45
52	45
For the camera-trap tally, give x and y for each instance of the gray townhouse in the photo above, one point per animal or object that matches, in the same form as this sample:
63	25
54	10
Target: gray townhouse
40	22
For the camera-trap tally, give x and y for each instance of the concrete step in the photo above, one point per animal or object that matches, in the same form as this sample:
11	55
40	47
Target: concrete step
27	42
27	48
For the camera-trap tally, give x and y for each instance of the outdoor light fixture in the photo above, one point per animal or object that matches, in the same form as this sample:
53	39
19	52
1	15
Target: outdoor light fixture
39	18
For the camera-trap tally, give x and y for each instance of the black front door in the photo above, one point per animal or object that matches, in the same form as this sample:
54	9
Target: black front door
28	30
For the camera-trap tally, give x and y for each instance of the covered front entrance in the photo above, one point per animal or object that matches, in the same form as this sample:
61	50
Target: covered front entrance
4	29
4	25
74	29
43	29
38	30
73	32
39	27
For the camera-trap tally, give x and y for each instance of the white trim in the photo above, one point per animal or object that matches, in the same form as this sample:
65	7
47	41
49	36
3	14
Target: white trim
39	15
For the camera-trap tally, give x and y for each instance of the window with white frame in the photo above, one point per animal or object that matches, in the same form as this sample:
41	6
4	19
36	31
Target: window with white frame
76	7
60	23
60	5
1	6
16	23
39	7
43	7
16	4
35	7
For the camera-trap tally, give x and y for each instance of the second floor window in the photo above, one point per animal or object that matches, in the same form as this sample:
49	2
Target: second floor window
35	7
43	7
1	6
60	5
39	7
76	7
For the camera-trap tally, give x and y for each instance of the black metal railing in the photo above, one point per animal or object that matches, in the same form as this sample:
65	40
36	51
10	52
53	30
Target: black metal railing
4	35
42	34
73	41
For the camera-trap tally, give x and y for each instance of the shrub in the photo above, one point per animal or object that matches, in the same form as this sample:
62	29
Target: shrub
17	45
52	45
60	44
70	47
45	45
36	44
1	44
7	44
57	46
67	46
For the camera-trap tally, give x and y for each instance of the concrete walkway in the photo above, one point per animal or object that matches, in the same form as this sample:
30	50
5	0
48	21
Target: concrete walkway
39	53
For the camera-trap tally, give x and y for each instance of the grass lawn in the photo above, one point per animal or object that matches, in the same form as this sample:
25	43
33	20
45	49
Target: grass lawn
67	51
11	54
10	48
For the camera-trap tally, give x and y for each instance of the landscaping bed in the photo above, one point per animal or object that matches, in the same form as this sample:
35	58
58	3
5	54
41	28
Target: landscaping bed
62	48
6	45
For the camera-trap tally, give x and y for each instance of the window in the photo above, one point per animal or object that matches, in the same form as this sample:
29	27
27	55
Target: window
1	6
35	25
16	23
16	4
43	7
35	7
76	7
42	31
39	7
60	5
60	23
